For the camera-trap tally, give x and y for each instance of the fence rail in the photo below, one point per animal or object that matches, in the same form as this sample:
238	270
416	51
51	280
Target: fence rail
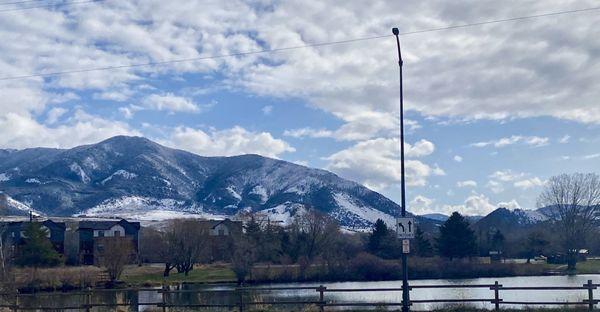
322	303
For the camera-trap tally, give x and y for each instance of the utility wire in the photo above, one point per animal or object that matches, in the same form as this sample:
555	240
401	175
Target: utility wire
321	44
20	2
60	4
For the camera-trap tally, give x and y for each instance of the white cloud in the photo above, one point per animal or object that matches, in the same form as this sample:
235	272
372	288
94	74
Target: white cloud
495	186
503	142
54	114
457	158
127	112
267	110
169	102
506	175
591	156
455	73
376	163
565	139
421	205
477	204
308	132
227	142
466	183
526	184
498	178
419	149
513	204
81	128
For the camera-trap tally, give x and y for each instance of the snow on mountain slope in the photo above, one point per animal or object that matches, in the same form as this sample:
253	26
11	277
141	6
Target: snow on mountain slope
360	216
10	206
4	177
283	214
147	208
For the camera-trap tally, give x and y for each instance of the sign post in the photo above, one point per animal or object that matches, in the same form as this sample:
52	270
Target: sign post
405	293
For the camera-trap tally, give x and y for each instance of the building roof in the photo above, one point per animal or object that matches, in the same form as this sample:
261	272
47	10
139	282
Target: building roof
105	225
45	223
214	223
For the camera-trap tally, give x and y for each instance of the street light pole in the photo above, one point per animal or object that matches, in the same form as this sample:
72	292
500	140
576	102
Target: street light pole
405	290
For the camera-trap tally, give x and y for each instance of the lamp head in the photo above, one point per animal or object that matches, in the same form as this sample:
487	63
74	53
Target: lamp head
395	31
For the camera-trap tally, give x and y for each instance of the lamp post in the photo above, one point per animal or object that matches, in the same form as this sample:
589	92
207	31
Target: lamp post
405	290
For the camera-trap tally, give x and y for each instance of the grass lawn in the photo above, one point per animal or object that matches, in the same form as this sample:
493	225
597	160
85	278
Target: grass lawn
588	267
153	275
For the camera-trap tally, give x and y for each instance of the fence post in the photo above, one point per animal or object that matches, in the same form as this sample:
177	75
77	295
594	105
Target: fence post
496	296
16	307
88	299
241	291
590	288
164	297
321	290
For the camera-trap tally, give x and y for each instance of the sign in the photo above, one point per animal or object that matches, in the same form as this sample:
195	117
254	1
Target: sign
405	246
405	227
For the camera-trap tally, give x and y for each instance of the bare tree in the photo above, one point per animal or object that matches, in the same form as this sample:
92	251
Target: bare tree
319	231
115	254
243	258
573	203
186	244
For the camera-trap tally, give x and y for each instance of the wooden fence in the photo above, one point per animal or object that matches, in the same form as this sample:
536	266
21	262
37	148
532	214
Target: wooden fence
321	302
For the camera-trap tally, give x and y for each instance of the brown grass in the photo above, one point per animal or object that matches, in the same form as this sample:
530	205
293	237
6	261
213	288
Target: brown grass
58	278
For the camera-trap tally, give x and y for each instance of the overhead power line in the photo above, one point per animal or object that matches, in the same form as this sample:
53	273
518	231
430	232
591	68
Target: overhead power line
19	2
59	4
274	50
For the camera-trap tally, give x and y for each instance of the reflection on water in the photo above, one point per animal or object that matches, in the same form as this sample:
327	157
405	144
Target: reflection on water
136	300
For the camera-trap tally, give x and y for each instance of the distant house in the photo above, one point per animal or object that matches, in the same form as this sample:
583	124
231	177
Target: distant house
222	234
14	232
92	235
224	228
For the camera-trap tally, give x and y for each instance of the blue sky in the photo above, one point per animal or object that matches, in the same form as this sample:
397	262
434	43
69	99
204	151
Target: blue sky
492	111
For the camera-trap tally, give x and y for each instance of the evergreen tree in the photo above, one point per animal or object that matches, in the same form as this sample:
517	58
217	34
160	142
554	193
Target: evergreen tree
377	237
498	241
253	231
37	250
422	245
456	240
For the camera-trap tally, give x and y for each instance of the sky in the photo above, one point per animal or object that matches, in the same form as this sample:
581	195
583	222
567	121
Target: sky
491	111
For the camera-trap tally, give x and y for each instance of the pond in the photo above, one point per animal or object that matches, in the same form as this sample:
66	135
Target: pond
135	300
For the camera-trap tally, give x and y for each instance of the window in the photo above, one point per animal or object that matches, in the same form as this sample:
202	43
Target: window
100	233
221	232
117	233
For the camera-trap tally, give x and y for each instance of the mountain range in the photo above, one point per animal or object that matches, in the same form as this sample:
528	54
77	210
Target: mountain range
134	177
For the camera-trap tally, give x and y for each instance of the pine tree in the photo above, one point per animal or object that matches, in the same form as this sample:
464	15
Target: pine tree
456	239
37	250
422	245
498	241
380	231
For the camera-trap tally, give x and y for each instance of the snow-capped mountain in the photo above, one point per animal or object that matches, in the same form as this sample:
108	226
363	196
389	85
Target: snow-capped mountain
135	177
505	219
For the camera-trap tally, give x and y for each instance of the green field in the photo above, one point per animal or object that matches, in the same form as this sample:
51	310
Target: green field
588	267
152	274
